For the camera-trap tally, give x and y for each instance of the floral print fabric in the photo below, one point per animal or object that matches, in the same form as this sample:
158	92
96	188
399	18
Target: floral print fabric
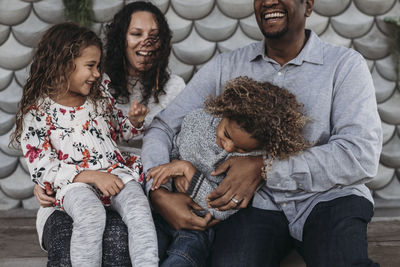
59	142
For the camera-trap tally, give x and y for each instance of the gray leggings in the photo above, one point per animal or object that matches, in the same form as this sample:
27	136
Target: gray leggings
89	217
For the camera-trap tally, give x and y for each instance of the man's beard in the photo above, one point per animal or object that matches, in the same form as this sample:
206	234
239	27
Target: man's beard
278	34
275	35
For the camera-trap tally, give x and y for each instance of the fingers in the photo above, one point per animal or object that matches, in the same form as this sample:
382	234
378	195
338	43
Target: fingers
221	168
220	191
41	196
200	223
232	204
195	206
119	184
157	182
213	223
162	174
181	184
138	109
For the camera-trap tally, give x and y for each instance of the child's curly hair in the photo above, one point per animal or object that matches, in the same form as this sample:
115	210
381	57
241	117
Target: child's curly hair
269	113
52	65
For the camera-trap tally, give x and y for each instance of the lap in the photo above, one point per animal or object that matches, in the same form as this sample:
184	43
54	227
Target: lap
182	247
335	233
251	237
57	236
335	230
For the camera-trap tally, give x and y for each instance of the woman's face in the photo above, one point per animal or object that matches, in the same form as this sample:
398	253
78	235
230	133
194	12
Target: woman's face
142	42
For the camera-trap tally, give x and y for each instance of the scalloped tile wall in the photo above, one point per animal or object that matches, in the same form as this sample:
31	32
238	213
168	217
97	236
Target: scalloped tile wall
201	30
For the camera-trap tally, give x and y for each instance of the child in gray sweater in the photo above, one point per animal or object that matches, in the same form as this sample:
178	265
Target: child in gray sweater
249	118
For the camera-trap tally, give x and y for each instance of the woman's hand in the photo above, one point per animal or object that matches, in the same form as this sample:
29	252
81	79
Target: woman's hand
163	173
177	210
44	197
243	176
137	113
108	183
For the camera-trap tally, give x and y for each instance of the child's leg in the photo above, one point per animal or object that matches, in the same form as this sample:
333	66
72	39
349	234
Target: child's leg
133	206
189	248
89	218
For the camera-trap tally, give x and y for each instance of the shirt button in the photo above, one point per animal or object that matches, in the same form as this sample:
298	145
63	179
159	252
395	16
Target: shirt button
279	73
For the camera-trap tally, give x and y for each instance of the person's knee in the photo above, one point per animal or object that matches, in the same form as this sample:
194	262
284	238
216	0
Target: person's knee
336	232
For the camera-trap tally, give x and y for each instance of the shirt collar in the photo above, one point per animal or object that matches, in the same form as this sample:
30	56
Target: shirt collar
312	52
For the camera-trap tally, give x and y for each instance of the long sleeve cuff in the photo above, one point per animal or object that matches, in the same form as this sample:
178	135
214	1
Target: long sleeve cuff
195	184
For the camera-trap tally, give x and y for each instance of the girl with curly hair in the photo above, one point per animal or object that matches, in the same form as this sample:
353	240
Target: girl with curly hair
68	125
248	118
138	45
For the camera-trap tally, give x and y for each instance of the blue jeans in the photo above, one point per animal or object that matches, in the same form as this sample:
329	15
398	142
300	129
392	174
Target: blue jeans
334	235
179	248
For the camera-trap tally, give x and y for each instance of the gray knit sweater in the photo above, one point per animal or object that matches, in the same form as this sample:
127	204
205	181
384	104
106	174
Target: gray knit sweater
196	143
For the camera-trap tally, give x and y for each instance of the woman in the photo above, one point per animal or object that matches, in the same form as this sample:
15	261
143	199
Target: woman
137	51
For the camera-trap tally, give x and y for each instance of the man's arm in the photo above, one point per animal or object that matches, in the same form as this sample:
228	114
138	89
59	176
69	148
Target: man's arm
177	208
351	155
158	140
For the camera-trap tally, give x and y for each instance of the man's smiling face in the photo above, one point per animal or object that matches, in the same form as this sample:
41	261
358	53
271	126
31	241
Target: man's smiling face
276	18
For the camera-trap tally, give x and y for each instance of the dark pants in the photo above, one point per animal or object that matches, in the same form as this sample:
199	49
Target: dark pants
335	234
57	236
182	248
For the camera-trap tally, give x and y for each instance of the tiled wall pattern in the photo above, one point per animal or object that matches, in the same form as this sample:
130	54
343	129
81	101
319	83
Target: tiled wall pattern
203	29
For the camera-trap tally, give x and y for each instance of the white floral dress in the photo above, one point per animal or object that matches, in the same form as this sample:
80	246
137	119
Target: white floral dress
59	142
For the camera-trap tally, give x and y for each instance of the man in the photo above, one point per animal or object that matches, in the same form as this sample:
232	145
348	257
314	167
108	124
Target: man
315	201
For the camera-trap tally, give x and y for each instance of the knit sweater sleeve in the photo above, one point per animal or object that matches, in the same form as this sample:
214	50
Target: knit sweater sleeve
198	190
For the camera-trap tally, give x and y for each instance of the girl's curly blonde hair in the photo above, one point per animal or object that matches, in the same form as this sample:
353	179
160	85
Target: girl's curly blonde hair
269	113
52	65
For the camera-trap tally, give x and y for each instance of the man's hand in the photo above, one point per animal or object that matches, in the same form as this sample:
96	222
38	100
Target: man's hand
137	113
44	197
177	210
242	179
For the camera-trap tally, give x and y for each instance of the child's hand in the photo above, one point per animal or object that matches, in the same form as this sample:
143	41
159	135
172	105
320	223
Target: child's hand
182	184
163	173
45	197
137	113
108	183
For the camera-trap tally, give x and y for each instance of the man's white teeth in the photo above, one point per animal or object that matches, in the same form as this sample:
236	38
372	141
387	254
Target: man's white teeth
274	15
145	53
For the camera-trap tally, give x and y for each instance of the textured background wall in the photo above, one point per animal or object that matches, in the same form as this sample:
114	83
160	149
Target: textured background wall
203	29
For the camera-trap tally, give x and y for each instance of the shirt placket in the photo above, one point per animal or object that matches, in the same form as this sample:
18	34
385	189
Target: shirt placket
280	76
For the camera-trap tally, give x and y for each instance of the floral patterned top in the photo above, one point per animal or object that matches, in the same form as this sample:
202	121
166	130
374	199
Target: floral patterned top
59	142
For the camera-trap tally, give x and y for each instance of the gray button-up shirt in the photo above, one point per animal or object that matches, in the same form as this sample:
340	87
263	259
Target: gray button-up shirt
336	88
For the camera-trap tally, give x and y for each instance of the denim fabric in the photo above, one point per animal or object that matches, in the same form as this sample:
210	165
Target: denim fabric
57	236
334	235
182	248
251	237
